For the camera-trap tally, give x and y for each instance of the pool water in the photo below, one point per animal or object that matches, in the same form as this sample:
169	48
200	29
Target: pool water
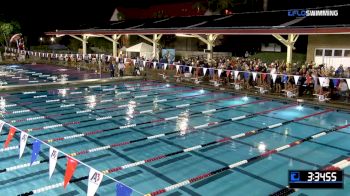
104	107
34	74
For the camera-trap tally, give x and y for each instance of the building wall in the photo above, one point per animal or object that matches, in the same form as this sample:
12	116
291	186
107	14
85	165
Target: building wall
325	41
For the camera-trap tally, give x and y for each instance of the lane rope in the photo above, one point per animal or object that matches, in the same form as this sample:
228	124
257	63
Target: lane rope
197	128
243	162
202	176
120	127
79	98
108	108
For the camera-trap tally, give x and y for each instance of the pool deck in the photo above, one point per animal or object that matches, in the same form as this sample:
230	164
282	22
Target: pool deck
310	101
42	86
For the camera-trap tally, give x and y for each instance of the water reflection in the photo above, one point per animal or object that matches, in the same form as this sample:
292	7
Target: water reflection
2	105
262	147
155	104
182	122
130	111
91	101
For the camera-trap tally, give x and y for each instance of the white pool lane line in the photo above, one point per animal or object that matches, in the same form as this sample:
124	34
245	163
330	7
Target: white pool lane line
101	101
159	136
117	99
126	126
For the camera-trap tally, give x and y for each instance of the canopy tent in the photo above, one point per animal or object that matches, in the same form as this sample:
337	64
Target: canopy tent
144	49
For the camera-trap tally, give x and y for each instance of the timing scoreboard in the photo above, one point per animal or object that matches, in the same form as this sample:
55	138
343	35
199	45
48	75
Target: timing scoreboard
315	179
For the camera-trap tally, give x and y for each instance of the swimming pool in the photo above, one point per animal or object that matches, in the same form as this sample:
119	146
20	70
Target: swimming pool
181	132
34	74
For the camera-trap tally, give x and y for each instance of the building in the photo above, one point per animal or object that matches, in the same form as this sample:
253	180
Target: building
330	50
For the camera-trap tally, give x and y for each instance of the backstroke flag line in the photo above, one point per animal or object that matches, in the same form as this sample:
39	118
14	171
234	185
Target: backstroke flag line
122	190
71	166
52	160
9	136
35	151
204	70
95	178
23	142
347	80
296	78
254	75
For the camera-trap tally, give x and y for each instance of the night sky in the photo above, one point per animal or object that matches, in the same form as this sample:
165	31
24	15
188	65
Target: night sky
38	16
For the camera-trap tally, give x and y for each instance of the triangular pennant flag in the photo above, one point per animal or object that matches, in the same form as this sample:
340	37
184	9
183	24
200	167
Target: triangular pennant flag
211	72
154	65
246	75
23	142
322	80
190	69
1	125
205	70
219	72
95	178
71	166
35	151
254	75
296	78
123	190
274	76
285	78
228	72
52	160
10	136
236	74
348	81
165	65
177	68
336	82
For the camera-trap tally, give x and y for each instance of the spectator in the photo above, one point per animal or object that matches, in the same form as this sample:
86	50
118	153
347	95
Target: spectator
121	68
111	69
343	88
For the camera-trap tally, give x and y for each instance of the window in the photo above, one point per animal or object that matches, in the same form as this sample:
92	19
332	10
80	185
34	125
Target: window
319	52
327	52
338	53
346	53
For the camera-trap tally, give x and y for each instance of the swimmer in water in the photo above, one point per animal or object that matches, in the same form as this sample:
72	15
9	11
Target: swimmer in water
286	131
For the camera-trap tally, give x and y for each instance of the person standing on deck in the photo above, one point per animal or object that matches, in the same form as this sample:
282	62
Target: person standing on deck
121	67
111	69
